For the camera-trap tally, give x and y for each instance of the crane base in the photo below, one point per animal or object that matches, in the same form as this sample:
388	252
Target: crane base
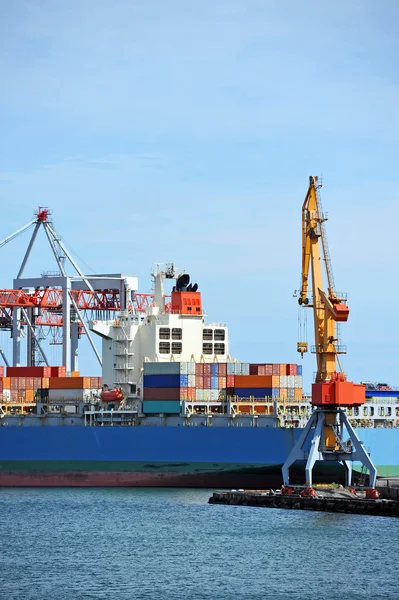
322	439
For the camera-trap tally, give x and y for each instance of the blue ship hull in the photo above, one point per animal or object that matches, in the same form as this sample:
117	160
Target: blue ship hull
165	456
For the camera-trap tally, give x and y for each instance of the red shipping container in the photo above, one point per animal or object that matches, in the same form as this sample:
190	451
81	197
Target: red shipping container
58	371
222	370
1	371
199	369
14	395
207	382
275	369
191	393
14	383
230	381
21	383
161	393
37	383
253	369
261	370
183	393
207	370
29	371
29	383
199	380
269	369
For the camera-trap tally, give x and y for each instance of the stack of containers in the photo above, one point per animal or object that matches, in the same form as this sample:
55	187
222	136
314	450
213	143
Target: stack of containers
279	381
166	385
30	384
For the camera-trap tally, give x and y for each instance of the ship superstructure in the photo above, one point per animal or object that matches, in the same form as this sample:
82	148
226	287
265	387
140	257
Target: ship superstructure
165	331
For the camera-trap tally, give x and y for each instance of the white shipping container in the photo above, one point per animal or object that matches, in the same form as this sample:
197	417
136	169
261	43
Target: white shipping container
207	394
237	369
6	395
283	381
214	395
291	381
184	368
84	394
191	368
199	394
244	368
230	368
191	380
298	381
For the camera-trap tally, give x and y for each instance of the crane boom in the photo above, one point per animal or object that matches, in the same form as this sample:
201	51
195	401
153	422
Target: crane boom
328	308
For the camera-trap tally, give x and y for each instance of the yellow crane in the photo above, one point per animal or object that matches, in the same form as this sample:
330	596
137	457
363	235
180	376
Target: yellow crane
328	308
328	435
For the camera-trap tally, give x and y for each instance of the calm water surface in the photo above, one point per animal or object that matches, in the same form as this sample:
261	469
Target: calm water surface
63	544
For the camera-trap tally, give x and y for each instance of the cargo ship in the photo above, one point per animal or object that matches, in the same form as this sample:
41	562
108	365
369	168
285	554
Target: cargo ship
172	408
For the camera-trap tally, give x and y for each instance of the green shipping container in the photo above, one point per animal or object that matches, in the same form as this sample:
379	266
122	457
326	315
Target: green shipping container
151	407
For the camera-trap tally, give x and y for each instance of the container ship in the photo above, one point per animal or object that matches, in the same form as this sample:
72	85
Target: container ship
172	408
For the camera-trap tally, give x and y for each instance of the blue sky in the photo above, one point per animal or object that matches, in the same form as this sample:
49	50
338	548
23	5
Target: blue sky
186	131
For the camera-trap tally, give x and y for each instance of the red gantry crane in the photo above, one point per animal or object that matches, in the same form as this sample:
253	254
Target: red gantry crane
328	435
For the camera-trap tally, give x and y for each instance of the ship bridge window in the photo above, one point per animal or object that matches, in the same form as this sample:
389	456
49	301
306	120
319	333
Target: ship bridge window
164	333
219	348
389	411
365	411
207	334
220	335
371	411
207	349
177	348
176	333
164	347
381	411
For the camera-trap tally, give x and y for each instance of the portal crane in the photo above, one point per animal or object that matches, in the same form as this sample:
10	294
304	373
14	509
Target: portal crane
323	437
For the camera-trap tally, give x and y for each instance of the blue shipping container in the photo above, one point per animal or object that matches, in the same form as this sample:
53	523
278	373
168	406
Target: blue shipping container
183	380
214	369
157	381
214	383
255	392
275	392
299	369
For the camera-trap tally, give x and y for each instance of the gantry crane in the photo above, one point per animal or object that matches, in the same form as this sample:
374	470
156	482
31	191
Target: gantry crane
323	437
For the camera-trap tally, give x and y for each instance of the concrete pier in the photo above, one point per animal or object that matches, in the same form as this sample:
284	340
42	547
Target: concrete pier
339	501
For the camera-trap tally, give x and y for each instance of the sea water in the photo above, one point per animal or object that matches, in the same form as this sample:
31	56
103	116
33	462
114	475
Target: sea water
72	544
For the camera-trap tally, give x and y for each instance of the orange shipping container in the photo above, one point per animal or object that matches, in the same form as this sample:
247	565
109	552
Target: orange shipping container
253	381
283	369
30	395
6	383
284	393
75	374
298	394
69	383
275	381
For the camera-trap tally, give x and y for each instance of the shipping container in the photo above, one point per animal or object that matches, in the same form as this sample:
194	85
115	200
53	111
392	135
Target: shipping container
291	393
207	395
1	371
214	395
222	382
291	381
291	369
214	382
299	369
75	374
214	369
161	368
191	381
199	395
244	368
298	394
159	406
275	381
71	383
283	381
30	395
207	370
199	381
275	369
230	381
230	369
199	369
269	369
275	392
207	381
222	369
57	371
162	380
283	369
298	381
284	393
29	371
74	394
191	393
161	393
255	392
253	381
